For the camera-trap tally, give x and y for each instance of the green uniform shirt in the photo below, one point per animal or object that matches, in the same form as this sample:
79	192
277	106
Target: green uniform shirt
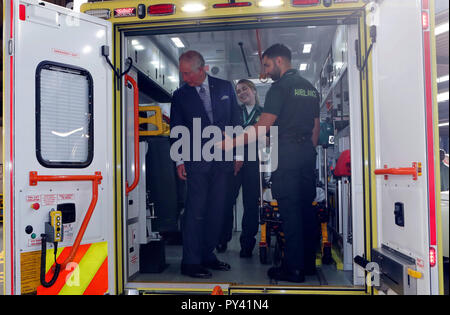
249	119
295	102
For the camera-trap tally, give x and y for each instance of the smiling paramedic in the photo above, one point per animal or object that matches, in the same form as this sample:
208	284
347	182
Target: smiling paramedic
291	104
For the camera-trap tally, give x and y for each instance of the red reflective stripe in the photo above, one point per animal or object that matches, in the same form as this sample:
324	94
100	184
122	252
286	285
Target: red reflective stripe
430	134
11	187
231	5
11	121
22	12
99	284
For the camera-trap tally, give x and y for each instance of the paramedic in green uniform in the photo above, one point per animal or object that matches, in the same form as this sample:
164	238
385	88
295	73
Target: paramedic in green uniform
291	104
246	175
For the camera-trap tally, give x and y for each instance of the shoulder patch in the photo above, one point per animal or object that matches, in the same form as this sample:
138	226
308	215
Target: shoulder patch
305	92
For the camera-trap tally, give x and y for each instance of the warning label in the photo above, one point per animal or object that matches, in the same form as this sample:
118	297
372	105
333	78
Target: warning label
62	197
33	198
49	200
34	242
30	264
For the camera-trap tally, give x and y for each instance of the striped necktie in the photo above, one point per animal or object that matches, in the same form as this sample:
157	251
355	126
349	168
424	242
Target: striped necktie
206	102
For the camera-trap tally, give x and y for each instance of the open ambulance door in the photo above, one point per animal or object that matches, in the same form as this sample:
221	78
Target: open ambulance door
58	160
402	112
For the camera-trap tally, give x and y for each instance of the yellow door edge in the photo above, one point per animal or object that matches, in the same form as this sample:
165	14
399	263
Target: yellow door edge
436	148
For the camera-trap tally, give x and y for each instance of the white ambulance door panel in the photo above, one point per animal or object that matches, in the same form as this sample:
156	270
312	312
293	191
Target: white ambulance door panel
60	123
400	134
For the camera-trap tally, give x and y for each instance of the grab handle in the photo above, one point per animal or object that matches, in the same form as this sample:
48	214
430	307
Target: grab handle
96	180
128	189
415	171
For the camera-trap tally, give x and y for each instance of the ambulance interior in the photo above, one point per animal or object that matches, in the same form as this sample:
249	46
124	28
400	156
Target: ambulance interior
325	55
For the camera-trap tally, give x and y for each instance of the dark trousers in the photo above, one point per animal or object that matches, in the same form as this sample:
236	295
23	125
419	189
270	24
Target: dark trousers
248	178
294	188
203	216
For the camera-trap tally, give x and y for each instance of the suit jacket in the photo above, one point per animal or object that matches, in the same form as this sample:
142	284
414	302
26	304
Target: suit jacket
187	105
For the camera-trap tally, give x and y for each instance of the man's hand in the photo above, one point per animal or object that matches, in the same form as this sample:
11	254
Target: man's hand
181	171
237	166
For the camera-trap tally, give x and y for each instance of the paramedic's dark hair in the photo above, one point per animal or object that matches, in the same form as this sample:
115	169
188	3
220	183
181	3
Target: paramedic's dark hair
278	50
194	57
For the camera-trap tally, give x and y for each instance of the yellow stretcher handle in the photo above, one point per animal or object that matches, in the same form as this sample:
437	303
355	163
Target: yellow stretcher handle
155	120
264	233
414	273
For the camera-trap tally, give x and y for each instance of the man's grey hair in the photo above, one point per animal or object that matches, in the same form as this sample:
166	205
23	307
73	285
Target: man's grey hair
194	58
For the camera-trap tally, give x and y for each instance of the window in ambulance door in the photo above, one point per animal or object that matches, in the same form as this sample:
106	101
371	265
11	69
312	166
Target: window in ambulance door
64	116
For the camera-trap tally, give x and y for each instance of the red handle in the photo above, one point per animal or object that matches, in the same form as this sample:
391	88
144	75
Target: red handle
414	171
136	135
96	180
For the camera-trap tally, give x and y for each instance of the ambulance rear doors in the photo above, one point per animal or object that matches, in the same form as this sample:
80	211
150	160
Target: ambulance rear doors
402	146
58	148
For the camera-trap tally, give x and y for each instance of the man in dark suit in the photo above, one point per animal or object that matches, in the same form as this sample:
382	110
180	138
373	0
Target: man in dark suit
207	101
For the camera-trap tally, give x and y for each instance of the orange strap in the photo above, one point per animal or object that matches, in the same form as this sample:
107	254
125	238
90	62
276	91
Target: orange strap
262	74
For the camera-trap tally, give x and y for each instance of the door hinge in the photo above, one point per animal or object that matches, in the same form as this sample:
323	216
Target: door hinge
10	47
373	37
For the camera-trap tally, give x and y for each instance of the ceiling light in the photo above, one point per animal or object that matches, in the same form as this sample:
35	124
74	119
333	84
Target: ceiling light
270	3
101	33
178	42
134	42
87	49
442	79
303	66
307	48
441	29
193	7
442	97
443	124
139	47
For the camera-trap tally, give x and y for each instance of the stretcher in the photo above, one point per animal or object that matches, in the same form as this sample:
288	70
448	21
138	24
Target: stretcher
269	217
271	223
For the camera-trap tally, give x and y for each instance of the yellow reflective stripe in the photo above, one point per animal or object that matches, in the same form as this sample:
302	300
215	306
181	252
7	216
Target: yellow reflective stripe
50	258
86	269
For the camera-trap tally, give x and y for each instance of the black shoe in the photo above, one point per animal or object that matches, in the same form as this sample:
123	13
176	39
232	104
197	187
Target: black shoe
281	274
221	248
195	271
245	253
217	265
